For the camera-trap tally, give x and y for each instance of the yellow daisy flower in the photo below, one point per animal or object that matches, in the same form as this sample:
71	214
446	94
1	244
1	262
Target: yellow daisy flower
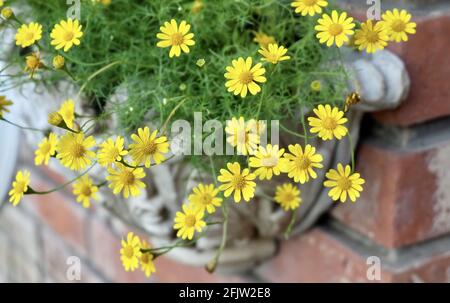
33	63
2	2
7	12
147	147
126	179
58	61
335	28
328	123
85	190
130	252
274	53
4	103
243	78
242	135
19	187
263	39
302	163
73	150
67	111
111	152
176	37
316	86
288	196
28	34
204	198
310	7
188	222
398	25
371	37
55	119
66	34
344	183
241	183
197	6
47	149
268	162
147	265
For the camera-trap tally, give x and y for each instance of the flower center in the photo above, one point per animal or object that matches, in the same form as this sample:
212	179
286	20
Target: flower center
145	258
114	153
78	150
372	36
239	182
177	39
86	191
190	221
206	199
288	197
20	187
309	2
68	36
129	251
398	26
344	183
128	178
303	163
246	77
33	62
150	148
329	123
29	36
336	29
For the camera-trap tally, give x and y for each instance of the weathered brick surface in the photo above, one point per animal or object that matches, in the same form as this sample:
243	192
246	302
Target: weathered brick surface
426	58
314	257
320	256
406	197
170	271
63	215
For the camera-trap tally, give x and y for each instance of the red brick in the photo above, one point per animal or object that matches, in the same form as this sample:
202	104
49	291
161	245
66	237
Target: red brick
314	257
320	256
170	271
56	254
427	60
406	197
64	216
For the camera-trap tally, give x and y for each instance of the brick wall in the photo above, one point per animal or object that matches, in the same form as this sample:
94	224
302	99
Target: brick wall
403	216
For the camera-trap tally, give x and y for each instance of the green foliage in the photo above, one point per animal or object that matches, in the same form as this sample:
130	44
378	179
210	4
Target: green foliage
126	31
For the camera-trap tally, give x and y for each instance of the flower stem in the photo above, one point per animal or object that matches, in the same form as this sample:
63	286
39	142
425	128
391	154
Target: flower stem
352	152
293	133
31	191
95	74
288	231
22	127
174	110
212	265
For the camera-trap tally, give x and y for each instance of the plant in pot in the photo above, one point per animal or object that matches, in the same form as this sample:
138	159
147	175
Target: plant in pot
216	127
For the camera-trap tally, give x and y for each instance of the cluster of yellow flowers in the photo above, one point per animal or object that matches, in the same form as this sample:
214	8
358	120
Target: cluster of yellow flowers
135	251
125	166
299	163
64	35
74	149
333	29
337	27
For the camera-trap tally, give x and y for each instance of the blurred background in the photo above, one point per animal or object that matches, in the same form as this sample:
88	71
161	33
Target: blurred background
399	231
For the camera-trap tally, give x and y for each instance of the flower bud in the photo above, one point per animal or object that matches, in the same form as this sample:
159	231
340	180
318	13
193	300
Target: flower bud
58	62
